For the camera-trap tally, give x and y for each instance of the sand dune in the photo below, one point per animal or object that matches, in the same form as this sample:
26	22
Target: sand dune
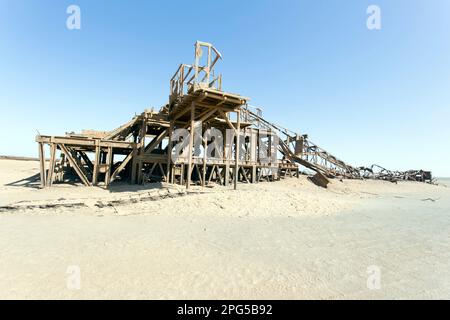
283	240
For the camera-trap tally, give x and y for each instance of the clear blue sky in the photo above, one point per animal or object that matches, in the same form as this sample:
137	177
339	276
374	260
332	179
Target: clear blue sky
366	96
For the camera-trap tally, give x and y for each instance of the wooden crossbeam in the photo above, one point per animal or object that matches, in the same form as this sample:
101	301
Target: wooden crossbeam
162	171
74	165
227	120
212	172
157	140
121	166
244	174
86	160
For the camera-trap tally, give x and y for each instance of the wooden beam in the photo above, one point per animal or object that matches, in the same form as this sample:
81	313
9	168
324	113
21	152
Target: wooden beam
109	162
96	164
169	172
162	172
205	145
84	142
191	146
121	166
227	120
213	170
42	164
237	147
134	165
51	169
74	165
157	140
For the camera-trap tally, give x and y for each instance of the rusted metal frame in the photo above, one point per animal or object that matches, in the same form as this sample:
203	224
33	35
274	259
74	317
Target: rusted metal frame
74	165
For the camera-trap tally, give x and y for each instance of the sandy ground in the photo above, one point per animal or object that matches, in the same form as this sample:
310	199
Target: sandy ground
281	240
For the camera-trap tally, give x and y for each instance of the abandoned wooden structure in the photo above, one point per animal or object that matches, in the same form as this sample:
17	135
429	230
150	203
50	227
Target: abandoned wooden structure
203	135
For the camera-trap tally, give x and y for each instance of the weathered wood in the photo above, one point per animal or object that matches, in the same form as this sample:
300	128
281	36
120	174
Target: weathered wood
51	169
85	142
42	164
169	172
205	145
157	140
237	147
191	146
134	166
320	180
121	166
224	115
96	164
74	165
109	163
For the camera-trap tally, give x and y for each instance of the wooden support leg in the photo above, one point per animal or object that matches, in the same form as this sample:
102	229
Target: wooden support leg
109	161
227	174
191	147
182	174
172	174
140	176
51	169
169	172
205	144
134	166
237	147
42	164
253	174
96	164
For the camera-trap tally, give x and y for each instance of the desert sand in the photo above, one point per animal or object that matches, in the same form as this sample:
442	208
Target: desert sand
282	240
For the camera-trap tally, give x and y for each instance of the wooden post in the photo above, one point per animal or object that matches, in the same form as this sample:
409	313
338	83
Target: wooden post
191	146
253	174
227	157
96	163
205	145
42	164
142	134
237	147
134	165
169	171
51	169
109	161
182	174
